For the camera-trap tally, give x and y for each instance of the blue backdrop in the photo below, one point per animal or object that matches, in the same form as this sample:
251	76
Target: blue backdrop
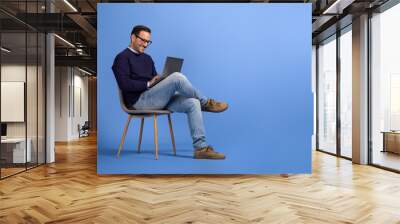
257	57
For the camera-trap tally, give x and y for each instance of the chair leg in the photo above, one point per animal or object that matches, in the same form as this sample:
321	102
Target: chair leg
156	134
124	134
172	133
140	135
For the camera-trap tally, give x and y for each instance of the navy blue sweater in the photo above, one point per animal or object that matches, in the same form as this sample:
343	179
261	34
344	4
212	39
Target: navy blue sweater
132	72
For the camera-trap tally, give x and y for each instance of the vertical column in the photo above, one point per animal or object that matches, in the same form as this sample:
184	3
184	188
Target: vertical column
338	98
50	92
360	90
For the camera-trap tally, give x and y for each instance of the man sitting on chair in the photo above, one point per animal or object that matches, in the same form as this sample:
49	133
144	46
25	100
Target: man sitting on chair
135	73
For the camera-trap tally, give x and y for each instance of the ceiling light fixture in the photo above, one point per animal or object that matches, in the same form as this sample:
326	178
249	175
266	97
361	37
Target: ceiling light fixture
337	7
84	71
5	50
80	51
65	41
70	5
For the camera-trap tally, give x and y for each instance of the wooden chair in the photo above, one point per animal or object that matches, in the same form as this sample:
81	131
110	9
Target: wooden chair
132	113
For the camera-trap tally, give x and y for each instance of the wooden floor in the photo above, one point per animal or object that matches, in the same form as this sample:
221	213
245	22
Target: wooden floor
5	172
70	191
387	159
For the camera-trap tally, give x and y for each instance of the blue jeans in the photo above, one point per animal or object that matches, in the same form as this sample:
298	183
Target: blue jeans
177	94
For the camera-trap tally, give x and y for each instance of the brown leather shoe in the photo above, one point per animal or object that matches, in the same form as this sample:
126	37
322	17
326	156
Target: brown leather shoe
207	153
214	106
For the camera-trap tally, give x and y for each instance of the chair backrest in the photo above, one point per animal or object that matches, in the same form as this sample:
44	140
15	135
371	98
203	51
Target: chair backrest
122	101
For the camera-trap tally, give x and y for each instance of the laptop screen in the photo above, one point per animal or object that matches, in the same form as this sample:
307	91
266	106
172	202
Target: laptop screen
172	65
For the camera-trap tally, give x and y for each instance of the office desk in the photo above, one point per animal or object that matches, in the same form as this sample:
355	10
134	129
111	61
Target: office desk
13	150
391	141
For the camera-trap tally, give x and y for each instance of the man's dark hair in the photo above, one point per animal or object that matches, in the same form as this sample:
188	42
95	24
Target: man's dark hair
136	30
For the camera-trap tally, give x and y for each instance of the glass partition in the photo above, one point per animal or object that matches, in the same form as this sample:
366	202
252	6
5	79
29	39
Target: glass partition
385	89
346	92
327	95
22	89
14	153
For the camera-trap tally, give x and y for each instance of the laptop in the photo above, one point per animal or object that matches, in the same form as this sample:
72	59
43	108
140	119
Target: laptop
171	65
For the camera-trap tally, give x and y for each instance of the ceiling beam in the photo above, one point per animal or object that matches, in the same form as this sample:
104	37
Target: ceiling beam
83	61
86	26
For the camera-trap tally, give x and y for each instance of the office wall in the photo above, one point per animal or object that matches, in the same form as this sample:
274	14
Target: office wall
71	102
80	104
62	81
33	126
15	72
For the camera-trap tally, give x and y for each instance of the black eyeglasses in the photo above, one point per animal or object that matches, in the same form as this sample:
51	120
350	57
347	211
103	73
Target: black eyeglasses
148	42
